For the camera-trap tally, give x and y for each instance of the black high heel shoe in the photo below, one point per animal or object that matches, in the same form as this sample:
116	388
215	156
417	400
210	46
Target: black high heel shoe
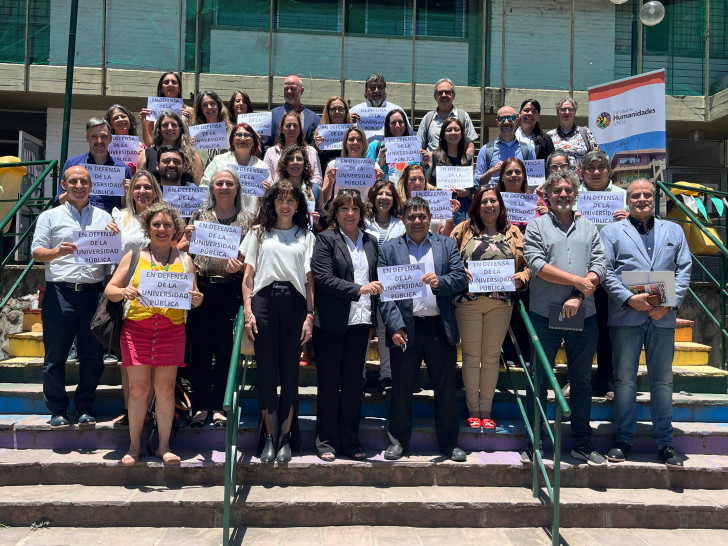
269	452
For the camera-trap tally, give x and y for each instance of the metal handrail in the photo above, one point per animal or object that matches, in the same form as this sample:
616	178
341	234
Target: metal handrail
232	405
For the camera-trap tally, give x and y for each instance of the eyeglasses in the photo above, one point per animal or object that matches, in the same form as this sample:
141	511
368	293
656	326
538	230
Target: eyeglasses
337	109
375	86
592	168
445	92
559	167
243	135
567	110
503	119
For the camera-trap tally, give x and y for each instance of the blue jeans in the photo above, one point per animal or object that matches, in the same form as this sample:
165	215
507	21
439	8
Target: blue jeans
580	348
659	345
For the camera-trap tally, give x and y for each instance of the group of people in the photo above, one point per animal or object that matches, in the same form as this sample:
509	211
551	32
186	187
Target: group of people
307	271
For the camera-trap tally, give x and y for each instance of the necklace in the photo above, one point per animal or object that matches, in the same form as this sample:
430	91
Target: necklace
384	225
156	267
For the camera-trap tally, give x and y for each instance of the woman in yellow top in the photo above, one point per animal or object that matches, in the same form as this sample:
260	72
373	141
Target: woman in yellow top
152	337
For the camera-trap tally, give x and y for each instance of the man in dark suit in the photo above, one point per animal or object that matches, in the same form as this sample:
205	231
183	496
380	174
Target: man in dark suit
292	91
423	328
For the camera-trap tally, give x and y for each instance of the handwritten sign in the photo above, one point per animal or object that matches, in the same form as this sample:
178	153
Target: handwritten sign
371	119
251	179
521	207
261	122
215	240
600	206
333	135
97	246
157	105
492	276
124	148
106	179
454	178
209	136
402	282
405	149
439	201
166	289
535	172
186	199
355	172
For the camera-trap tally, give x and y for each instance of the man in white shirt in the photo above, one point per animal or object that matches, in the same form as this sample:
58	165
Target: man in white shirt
375	92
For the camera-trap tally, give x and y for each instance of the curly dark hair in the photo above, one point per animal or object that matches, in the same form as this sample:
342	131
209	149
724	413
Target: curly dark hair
266	218
345	197
286	156
282	137
476	224
145	219
396	208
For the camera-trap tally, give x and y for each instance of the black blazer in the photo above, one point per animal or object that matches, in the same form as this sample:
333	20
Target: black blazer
333	273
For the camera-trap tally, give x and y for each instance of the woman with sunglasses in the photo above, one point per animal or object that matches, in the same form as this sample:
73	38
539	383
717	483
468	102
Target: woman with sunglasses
575	140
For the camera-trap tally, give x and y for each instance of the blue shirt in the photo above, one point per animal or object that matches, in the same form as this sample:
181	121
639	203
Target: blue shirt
106	202
56	226
501	151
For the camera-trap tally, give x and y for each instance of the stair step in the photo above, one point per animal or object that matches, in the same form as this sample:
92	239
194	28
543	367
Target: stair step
28	344
23	369
32	320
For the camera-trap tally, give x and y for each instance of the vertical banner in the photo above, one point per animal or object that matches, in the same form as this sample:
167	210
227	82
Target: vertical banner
627	118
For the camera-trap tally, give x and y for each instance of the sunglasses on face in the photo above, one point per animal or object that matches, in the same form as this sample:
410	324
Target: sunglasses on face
502	119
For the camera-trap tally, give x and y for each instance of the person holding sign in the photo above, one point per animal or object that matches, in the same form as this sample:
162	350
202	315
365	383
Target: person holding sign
153	338
169	85
290	134
336	112
396	124
569	137
210	326
483	318
239	104
413	179
210	109
530	131
420	328
344	266
72	293
294	166
278	296
124	124
595	172
170	130
245	150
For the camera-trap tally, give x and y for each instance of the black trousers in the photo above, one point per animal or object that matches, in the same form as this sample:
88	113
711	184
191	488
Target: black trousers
603	380
210	333
280	311
339	360
430	343
67	314
521	334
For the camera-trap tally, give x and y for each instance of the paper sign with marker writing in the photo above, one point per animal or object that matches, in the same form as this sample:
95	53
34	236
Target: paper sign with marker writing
186	199
215	240
166	289
521	207
535	172
455	178
97	246
157	105
209	136
355	172
124	148
251	179
599	206
261	122
402	282
439	201
492	276
106	179
405	149
333	135
371	119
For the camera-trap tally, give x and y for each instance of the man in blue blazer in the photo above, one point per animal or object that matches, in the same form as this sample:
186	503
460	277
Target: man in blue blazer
292	91
423	328
643	243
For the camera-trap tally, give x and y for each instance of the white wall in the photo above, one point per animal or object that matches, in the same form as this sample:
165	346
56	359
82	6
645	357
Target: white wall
76	141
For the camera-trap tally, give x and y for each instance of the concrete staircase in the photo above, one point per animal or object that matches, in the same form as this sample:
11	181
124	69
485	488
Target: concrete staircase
70	484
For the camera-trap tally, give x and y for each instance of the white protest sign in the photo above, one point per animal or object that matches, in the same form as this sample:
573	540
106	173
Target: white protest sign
535	172
439	201
405	149
97	246
492	276
261	122
371	119
124	148
215	240
311	210
355	172
186	199
521	207
402	282
209	136
599	206
166	289
251	179
157	105
333	135
454	178
106	179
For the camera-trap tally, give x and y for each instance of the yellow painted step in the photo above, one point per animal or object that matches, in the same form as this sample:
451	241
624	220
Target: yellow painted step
684	333
687	353
32	321
26	344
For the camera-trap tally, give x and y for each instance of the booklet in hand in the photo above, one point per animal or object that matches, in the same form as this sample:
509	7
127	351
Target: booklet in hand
558	322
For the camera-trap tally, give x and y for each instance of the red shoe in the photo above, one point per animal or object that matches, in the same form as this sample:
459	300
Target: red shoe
487	423
304	361
473	422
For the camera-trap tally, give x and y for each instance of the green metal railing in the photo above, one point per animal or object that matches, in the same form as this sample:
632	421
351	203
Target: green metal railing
36	205
707	194
541	366
232	405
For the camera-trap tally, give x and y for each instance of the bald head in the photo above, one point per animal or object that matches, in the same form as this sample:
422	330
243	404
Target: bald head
292	90
641	199
77	184
507	120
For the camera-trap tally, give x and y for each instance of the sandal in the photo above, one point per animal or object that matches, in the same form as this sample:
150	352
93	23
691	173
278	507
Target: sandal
220	421
488	423
122	420
473	422
327	456
169	458
304	360
198	421
358	456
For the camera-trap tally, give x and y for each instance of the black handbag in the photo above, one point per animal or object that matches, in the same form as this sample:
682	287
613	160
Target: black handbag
106	322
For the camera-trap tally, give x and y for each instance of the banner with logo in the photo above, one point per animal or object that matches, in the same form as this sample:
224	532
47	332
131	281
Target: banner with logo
627	118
